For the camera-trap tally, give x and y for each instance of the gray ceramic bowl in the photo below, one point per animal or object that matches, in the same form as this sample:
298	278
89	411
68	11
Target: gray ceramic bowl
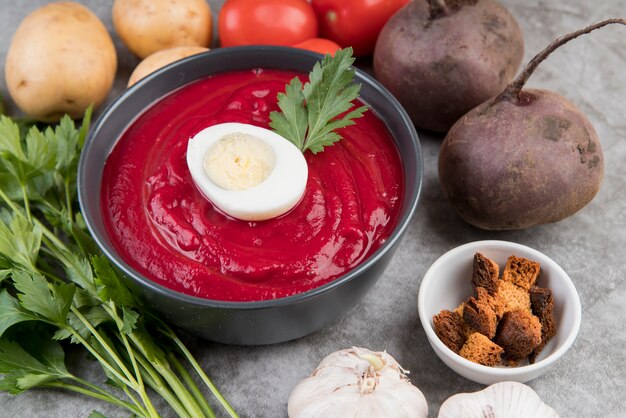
246	323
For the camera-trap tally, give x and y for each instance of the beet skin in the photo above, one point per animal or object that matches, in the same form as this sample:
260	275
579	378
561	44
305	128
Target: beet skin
440	64
510	164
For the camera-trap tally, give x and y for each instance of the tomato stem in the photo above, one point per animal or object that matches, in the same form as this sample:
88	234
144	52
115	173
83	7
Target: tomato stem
331	16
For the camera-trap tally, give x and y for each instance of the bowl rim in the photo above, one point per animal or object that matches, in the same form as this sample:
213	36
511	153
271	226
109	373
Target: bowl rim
504	372
224	53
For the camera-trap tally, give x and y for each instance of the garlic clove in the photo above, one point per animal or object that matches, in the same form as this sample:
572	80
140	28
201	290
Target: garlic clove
500	400
357	383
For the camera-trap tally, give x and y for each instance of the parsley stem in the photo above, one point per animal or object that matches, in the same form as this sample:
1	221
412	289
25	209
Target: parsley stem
153	380
11	204
165	371
163	379
49	249
51	236
191	385
113	353
105	364
166	330
94	352
129	379
179	389
111	309
33	221
55	246
53	240
132	397
107	398
49	274
105	393
68	199
29	216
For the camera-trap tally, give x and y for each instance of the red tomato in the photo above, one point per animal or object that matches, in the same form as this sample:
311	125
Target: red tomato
266	22
355	23
320	45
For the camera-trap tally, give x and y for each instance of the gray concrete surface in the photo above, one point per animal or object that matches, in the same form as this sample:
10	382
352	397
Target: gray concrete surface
590	381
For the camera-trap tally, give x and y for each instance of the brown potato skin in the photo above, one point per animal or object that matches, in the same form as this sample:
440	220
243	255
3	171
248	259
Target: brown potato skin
508	165
61	60
441	68
148	26
162	58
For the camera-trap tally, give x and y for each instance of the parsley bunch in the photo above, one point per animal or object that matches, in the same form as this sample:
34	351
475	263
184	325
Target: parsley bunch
309	114
57	289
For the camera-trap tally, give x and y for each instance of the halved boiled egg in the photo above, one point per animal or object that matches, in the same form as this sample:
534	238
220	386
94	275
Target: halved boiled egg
248	172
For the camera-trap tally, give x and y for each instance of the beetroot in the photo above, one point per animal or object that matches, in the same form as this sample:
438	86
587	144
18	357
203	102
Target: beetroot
523	158
442	58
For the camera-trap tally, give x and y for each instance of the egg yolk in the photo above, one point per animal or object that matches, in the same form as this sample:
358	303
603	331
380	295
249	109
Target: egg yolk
239	161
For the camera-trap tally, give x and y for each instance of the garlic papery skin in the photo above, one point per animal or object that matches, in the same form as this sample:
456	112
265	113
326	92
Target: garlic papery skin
500	400
357	383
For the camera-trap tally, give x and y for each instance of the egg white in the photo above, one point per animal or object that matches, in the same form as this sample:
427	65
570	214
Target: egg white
276	195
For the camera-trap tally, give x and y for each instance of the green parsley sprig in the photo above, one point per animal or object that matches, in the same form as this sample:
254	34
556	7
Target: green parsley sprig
310	113
56	288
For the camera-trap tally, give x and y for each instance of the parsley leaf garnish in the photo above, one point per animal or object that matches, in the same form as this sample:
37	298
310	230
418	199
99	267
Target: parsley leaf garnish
309	114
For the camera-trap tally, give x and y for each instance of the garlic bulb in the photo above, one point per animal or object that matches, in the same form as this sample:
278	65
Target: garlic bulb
500	400
357	383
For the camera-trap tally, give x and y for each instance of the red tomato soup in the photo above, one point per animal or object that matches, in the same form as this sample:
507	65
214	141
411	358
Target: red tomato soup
162	225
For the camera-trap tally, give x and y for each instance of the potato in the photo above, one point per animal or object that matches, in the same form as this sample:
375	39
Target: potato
148	26
162	58
61	60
